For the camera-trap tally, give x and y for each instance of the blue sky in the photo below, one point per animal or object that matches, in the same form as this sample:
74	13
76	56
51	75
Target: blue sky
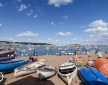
54	21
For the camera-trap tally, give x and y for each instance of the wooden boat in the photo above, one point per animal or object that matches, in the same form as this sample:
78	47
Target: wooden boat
102	65
27	69
6	66
92	76
67	72
46	72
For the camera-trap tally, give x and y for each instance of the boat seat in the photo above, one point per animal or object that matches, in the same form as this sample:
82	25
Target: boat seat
67	70
30	67
67	67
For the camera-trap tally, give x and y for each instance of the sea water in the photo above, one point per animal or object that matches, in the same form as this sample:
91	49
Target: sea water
52	50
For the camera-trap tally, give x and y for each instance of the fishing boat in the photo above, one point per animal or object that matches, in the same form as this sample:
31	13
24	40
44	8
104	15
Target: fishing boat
46	72
92	76
67	72
27	69
6	66
6	58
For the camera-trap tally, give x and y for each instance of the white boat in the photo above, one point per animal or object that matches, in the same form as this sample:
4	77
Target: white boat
27	69
67	72
46	72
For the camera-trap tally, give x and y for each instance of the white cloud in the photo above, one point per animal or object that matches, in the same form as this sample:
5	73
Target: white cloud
22	7
57	40
6	39
91	35
51	40
35	16
0	24
52	23
29	13
97	29
99	32
1	5
64	34
28	34
58	3
65	17
74	39
98	23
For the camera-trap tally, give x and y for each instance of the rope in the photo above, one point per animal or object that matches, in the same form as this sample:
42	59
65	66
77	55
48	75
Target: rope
2	76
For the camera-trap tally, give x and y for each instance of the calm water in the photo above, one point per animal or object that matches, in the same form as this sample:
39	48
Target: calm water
52	50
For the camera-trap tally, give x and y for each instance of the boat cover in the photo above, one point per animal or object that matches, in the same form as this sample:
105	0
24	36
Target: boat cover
92	76
102	65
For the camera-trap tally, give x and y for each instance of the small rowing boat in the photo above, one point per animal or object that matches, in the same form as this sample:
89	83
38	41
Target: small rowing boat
67	72
46	72
27	69
6	66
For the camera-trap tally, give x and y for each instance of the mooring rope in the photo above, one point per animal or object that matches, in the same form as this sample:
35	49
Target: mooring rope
2	76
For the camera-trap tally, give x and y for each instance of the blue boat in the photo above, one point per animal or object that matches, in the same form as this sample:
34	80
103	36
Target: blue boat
12	65
92	76
6	58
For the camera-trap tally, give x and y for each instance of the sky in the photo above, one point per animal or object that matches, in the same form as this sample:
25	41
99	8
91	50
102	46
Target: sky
54	21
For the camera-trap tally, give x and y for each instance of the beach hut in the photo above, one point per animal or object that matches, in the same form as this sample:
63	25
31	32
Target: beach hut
102	65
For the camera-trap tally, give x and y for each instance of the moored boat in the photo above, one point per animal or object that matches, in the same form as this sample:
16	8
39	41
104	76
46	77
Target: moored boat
67	72
27	69
46	72
92	76
6	66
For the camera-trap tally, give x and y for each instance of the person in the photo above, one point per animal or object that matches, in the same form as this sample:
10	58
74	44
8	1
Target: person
75	59
35	53
90	61
83	63
75	52
15	54
86	52
32	58
99	54
71	60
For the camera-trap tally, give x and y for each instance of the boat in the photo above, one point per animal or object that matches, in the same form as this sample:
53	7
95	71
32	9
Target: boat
6	58
27	69
6	66
102	65
67	72
92	76
46	72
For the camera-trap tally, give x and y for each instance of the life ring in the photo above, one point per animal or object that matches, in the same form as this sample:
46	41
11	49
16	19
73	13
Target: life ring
1	77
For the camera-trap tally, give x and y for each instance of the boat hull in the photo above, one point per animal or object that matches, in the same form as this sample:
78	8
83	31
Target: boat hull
12	65
92	76
46	73
27	69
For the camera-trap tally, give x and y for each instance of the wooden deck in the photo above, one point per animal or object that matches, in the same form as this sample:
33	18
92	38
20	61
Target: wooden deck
5	53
